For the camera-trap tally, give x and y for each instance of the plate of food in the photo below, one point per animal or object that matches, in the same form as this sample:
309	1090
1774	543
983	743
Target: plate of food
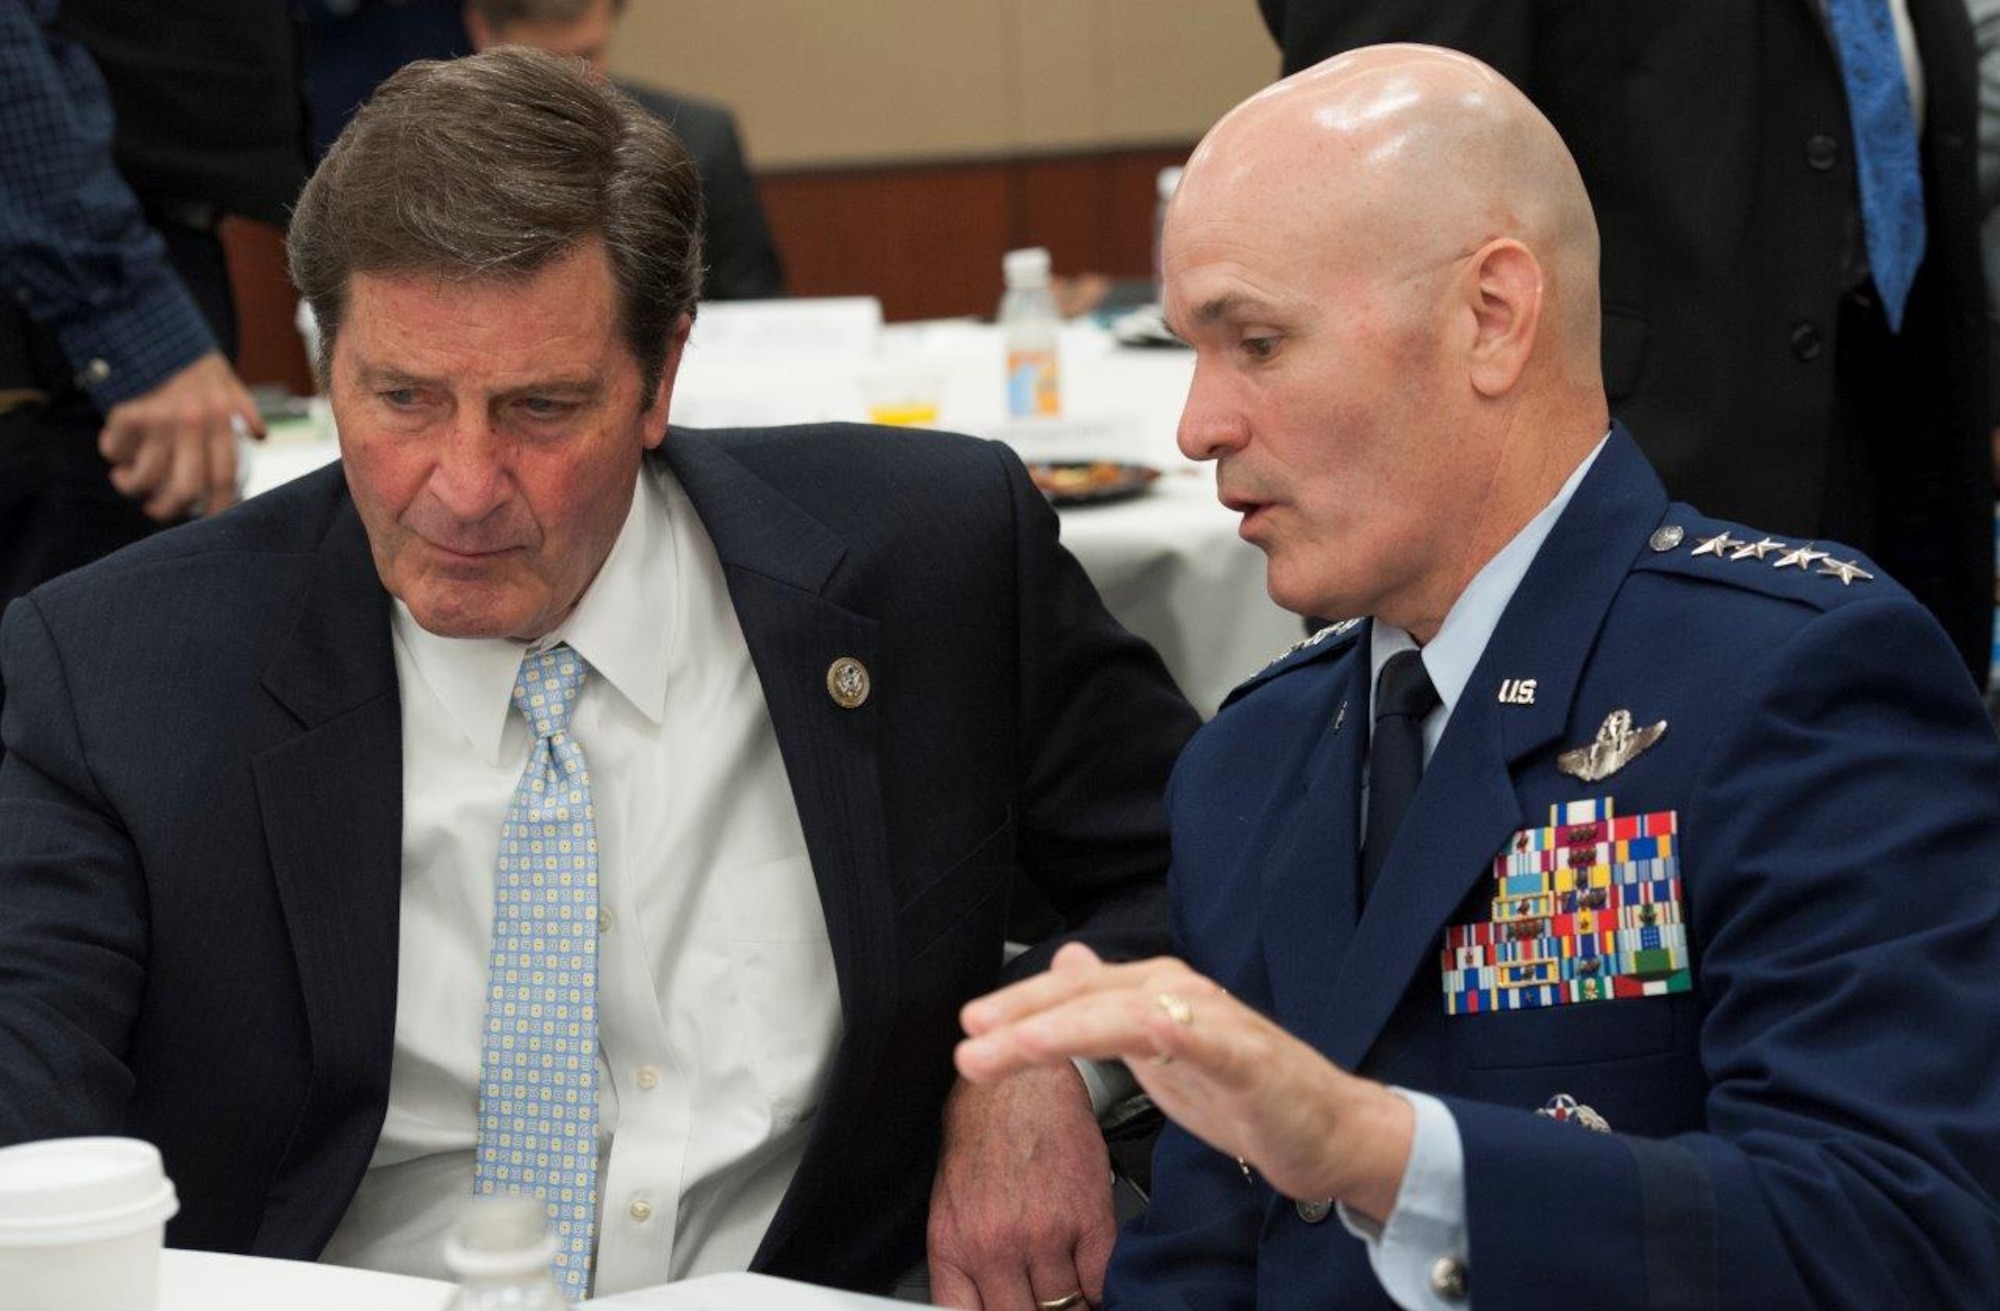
1090	482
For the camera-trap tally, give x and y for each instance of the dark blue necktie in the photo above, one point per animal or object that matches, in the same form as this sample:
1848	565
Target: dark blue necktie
1404	698
1885	147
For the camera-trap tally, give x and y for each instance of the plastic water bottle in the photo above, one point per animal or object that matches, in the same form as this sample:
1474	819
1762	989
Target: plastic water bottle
1164	185
500	1249
1029	323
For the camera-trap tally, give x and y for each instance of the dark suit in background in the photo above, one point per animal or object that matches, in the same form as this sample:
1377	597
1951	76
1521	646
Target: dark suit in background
200	820
742	259
1715	143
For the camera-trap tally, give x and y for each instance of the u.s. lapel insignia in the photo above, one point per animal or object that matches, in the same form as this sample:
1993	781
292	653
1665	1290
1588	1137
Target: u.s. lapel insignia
1615	747
1517	691
847	682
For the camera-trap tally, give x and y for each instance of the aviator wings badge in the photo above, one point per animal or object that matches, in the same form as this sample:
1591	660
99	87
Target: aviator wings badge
1617	744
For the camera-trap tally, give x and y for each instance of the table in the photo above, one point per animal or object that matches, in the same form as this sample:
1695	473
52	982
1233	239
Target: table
212	1281
1169	564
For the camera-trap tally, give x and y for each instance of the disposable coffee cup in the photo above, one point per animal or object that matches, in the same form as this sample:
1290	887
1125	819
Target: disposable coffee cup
82	1221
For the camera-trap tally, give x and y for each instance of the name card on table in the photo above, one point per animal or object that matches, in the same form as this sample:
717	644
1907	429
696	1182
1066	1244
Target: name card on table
825	328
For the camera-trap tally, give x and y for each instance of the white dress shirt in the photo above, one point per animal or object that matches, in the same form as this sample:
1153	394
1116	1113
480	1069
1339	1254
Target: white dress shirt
1428	1222
718	1010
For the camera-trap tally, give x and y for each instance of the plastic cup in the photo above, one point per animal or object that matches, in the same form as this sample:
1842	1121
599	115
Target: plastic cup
82	1222
903	391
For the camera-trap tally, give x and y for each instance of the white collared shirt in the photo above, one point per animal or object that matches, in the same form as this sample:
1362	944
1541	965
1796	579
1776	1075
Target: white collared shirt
718	1010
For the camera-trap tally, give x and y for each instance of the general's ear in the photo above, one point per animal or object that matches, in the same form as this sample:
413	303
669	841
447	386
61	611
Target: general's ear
1503	288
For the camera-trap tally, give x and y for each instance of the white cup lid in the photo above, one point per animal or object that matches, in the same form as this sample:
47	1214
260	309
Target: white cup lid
80	1190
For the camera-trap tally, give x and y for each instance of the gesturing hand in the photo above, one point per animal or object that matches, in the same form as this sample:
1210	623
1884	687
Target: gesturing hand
174	447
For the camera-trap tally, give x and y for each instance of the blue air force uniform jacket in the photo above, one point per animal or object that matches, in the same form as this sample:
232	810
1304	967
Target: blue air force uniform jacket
1765	950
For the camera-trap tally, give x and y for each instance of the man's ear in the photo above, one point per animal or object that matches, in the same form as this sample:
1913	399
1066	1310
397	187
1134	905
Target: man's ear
670	367
1503	289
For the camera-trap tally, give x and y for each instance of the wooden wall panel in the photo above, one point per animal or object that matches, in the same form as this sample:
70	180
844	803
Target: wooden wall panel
927	239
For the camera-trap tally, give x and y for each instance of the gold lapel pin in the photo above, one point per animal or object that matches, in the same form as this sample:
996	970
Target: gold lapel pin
847	682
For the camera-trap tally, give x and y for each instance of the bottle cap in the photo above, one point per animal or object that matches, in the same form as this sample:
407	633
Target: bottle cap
497	1236
1026	268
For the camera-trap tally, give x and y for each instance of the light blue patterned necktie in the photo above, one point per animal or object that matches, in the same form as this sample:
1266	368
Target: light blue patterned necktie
538	1060
1885	147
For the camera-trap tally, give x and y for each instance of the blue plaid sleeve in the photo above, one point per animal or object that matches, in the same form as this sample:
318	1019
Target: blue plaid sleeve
75	250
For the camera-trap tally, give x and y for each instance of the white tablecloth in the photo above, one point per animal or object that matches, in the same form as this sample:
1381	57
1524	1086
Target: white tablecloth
208	1281
1169	563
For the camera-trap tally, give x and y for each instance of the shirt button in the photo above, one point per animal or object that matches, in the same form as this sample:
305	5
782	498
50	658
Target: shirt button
649	1078
641	1210
1448	1279
605	920
1314	1212
1806	343
1822	151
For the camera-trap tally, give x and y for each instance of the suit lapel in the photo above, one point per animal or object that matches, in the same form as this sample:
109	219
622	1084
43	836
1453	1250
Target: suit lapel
1467	806
331	800
779	562
1308	890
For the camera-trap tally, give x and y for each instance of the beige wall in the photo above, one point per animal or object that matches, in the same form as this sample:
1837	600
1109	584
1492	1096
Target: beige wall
825	82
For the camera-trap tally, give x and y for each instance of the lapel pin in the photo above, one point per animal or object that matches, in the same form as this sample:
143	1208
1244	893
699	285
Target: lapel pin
1615	747
847	682
1517	691
1340	716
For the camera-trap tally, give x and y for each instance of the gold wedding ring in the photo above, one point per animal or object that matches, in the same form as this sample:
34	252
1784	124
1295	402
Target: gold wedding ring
1063	1303
1175	1009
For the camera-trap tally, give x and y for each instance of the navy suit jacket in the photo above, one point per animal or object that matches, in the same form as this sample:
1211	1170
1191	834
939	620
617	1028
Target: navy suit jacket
200	820
1815	1123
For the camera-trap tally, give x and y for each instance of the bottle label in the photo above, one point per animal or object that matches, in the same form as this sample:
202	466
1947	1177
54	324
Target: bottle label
1034	389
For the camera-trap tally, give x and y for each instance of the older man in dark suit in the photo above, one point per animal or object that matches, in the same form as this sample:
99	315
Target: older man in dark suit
544	800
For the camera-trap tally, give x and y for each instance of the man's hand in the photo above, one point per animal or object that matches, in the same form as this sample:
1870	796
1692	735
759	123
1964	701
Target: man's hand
175	446
1214	1066
1021	1206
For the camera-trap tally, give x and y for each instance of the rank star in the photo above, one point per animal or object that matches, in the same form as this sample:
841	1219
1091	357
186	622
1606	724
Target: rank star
1845	570
1757	550
1716	545
1801	557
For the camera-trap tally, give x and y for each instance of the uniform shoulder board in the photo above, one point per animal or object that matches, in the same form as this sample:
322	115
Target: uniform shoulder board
1334	629
1817	572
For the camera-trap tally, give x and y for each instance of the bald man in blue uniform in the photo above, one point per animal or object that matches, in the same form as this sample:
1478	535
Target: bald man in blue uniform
1613	917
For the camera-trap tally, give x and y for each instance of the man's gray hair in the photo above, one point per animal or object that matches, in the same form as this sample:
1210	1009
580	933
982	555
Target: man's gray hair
490	167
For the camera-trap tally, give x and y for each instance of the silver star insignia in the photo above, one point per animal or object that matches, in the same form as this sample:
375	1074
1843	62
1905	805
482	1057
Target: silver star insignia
1716	545
1757	550
1801	556
1845	570
1615	747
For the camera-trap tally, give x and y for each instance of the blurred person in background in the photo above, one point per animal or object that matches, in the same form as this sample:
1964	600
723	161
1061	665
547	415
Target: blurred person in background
1794	316
127	133
743	261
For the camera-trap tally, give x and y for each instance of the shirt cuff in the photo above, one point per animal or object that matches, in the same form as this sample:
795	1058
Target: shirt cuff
1427	1225
125	349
